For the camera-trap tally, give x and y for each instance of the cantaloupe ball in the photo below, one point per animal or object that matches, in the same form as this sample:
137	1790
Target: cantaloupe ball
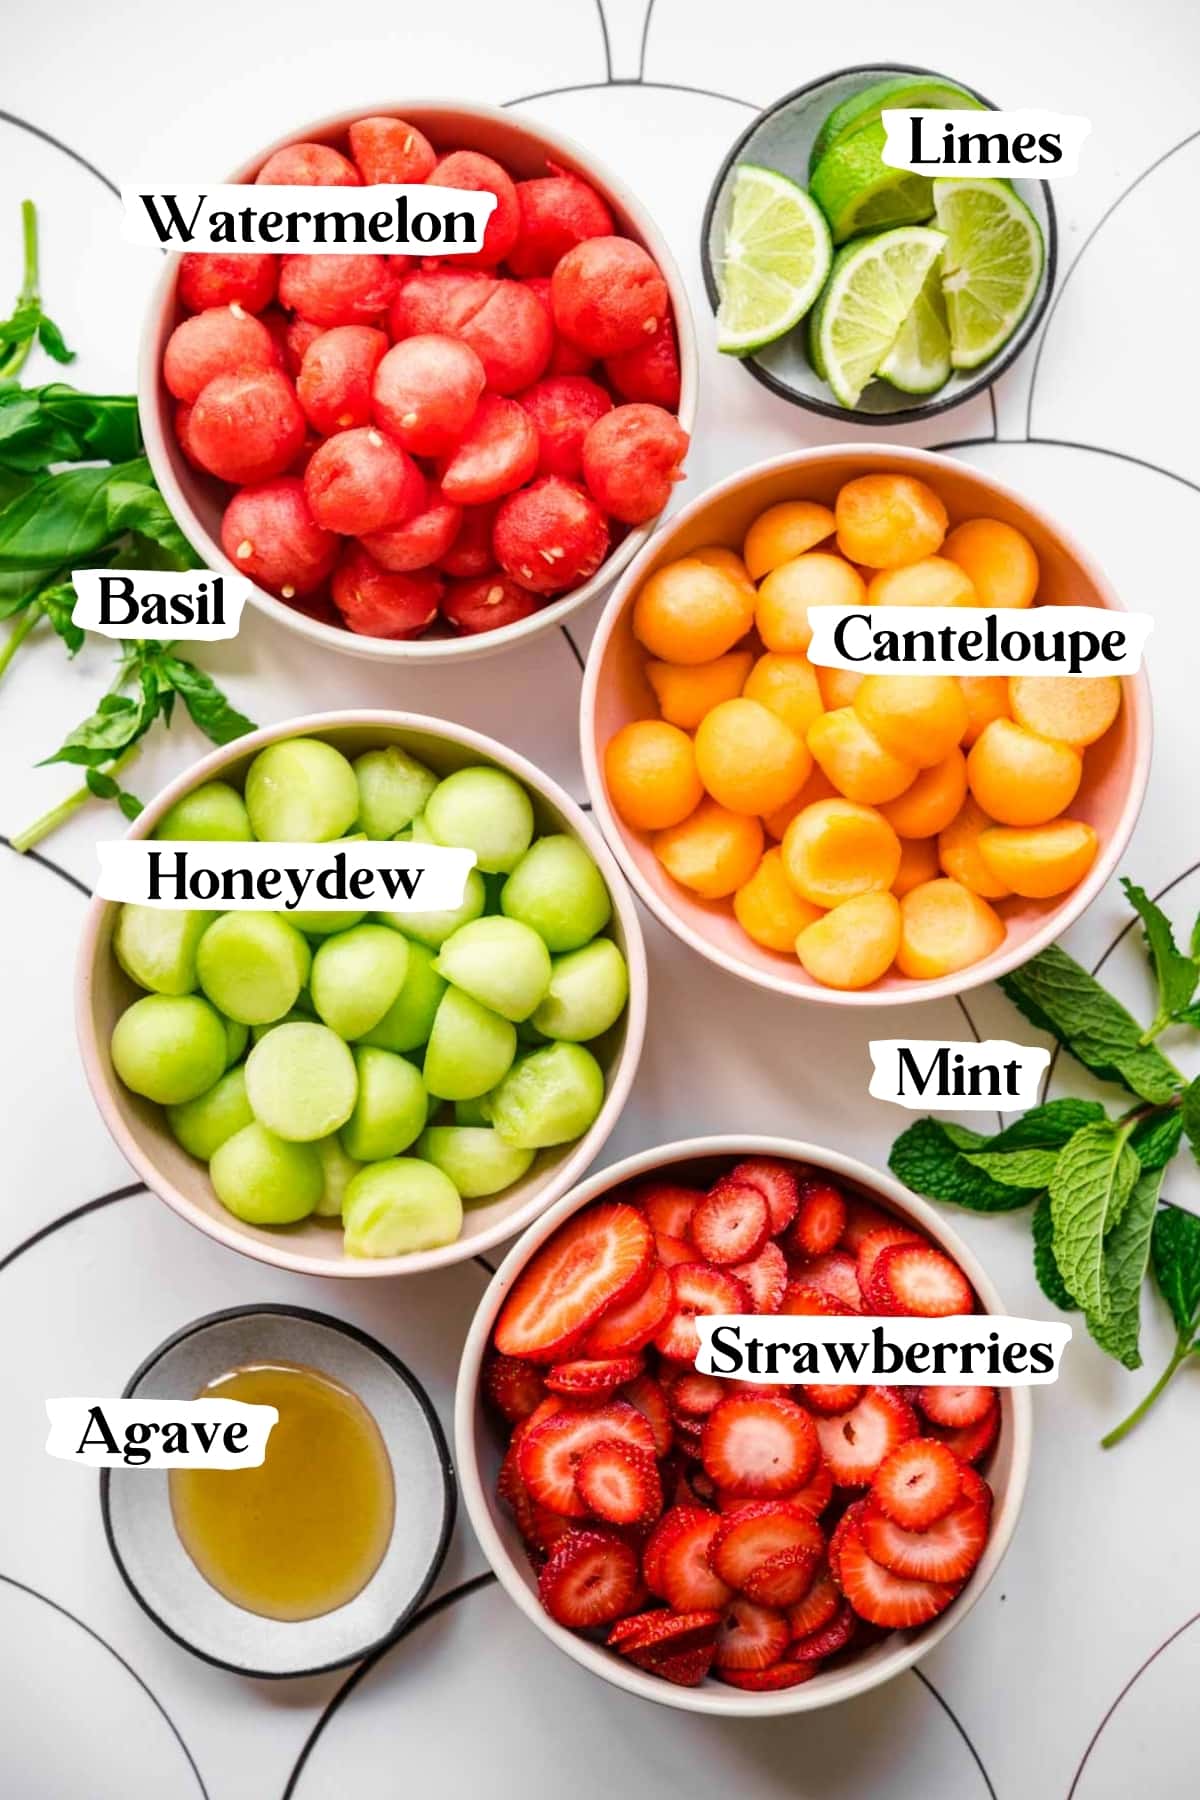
1075	709
714	852
1040	860
855	761
836	849
853	945
838	687
817	787
720	556
816	579
920	718
784	532
918	863
945	927
689	612
1019	777
685	694
769	909
886	520
959	855
931	582
788	687
987	699
999	560
650	770
933	800
748	759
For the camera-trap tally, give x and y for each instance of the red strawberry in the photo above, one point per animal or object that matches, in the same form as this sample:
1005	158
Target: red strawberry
512	1386
684	1568
619	1483
758	1533
816	1493
698	1289
800	1297
817	1607
765	1277
546	1528
769	1681
854	1443
861	1218
676	1520
883	1598
666	1633
777	1183
731	1224
782	1579
973	1442
689	1434
695	1395
759	1445
826	1639
750	1636
647	1395
849	1521
916	1279
835	1273
831	1396
686	1668
667	1206
955	1406
598	1259
672	1250
549	1454
946	1550
874	1243
916	1485
593	1375
624	1330
591	1579
820	1216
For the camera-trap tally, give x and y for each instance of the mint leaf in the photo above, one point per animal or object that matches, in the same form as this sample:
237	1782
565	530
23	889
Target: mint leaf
1092	1182
1155	1139
1189	1115
1126	1254
1059	996
1175	1259
926	1159
1044	1265
1016	1168
1175	973
1047	1127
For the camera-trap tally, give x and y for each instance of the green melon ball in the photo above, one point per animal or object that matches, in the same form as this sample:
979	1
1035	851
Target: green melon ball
472	1112
252	966
500	962
477	1159
156	946
202	1125
301	791
408	1021
212	814
301	1081
557	889
587	993
356	976
322	924
395	1207
265	1180
237	1036
338	1171
486	811
390	1111
392	789
470	1048
169	1047
433	928
551	1096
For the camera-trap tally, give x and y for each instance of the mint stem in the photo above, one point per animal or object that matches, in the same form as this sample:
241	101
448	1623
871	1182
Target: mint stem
58	815
15	361
18	634
1139	1412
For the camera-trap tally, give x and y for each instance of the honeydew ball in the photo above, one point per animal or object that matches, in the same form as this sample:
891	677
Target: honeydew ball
252	966
169	1047
390	1110
433	928
322	924
395	1207
393	788
549	1097
470	1048
202	1125
356	976
499	962
408	1021
300	1013
301	791
301	1082
156	946
472	1112
476	1159
338	1171
265	1180
212	814
587	993
557	890
237	1036
483	810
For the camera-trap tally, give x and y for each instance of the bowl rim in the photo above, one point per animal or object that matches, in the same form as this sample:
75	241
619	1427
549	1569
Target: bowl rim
154	405
586	1148
850	1682
986	373
1072	905
401	1371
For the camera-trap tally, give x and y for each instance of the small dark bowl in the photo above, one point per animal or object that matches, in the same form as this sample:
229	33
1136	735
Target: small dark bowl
780	138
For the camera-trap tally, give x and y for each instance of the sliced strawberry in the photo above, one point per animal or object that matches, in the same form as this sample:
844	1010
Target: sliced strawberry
672	1251
947	1550
698	1289
750	1636
685	1571
831	1396
549	1455
916	1485
647	1396
801	1298
854	1443
704	1488
513	1388
666	1633
731	1224
667	1206
827	1639
777	1183
694	1395
759	1445
545	1409
975	1487
973	1442
782	1579
765	1277
689	1436
850	1521
619	1483
598	1259
861	1218
546	1528
686	1668
757	1533
883	1598
817	1607
874	1243
834	1273
624	1330
769	1681
820	1216
674	1521
816	1493
917	1280
593	1375
591	1579
955	1406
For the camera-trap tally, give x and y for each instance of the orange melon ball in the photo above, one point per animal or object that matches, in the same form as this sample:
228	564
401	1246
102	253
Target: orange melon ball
748	759
788	687
1041	860
999	561
720	556
859	766
944	927
714	852
918	863
853	945
685	694
987	699
769	909
817	787
838	687
886	520
784	532
959	855
1074	709
933	800
931	582
650	771
816	579
836	849
690	612
1019	777
920	718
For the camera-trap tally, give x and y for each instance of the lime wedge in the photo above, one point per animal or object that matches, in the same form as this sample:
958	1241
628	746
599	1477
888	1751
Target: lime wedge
919	360
774	261
900	91
871	290
858	192
992	267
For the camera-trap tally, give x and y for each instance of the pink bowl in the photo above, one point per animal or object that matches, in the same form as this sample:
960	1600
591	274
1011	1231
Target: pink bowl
615	691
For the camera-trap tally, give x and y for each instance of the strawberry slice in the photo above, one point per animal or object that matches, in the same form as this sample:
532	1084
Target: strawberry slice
686	1668
765	1277
598	1259
972	1443
817	1607
647	1396
548	1455
801	1298
881	1597
831	1396
624	1330
684	1567
591	1579
947	1550
861	1218
513	1388
820	1216
667	1206
665	1633
689	1435
750	1636
698	1289
816	1493
849	1521
827	1639
916	1279
694	1395
672	1251
875	1243
769	1681
546	1528
782	1579
955	1406
914	1486
776	1181
759	1532
854	1443
731	1224
759	1445
619	1483
834	1273
593	1375
675	1520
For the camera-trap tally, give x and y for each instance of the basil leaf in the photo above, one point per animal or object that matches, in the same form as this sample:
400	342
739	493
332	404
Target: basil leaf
1126	1254
136	505
56	522
208	707
104	427
1175	1259
58	604
1189	1114
1030	1168
926	1160
1175	973
1048	1127
1155	1139
117	722
1060	997
1044	1265
52	341
1091	1185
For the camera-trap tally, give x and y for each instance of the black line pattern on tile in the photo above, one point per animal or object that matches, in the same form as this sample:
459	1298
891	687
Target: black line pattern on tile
608	65
46	862
76	156
959	1727
69	1218
1133	1679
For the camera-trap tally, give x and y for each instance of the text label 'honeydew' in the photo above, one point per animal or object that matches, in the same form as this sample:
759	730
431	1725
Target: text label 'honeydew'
970	1348
240	877
160	1434
159	604
420	219
957	1076
978	640
1027	142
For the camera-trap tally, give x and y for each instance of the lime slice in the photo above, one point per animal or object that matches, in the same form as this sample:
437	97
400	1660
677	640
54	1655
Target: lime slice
992	267
871	290
900	91
774	261
919	360
858	192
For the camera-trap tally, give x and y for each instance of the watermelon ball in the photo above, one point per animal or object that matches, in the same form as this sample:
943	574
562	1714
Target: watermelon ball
486	604
207	278
437	300
307	165
631	460
298	337
426	390
214	342
566	358
421	541
360	481
182	419
471	552
563	409
390	150
550	536
557	212
334	383
377	603
337	290
269	533
511	335
246	426
649	372
473	173
498	453
608	295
